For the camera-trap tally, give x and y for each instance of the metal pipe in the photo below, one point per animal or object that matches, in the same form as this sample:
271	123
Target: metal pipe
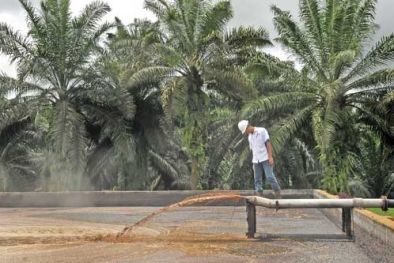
320	203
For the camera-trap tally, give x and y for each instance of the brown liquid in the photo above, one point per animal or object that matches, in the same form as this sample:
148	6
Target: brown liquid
207	197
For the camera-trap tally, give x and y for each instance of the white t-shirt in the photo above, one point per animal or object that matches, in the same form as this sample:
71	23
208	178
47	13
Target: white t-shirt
257	143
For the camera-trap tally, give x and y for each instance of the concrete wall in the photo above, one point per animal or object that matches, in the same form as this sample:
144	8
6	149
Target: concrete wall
378	226
120	198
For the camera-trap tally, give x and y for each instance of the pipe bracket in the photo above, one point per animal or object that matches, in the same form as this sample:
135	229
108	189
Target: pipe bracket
385	203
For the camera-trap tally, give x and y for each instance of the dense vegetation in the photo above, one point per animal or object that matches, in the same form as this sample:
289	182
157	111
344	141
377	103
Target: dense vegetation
154	104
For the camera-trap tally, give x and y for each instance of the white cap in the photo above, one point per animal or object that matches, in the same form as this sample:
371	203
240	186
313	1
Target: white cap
242	125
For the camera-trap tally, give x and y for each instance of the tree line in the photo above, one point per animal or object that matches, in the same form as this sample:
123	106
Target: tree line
154	104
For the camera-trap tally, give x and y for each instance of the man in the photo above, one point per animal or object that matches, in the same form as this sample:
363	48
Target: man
260	145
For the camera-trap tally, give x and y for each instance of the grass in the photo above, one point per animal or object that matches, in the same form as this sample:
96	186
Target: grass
379	211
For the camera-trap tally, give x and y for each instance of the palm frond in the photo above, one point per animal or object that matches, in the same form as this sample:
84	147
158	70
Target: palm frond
293	38
222	137
342	60
158	7
163	165
278	102
375	120
99	159
12	113
303	148
33	18
85	46
343	27
13	44
268	65
168	55
234	83
311	14
113	127
381	55
10	86
242	37
90	16
330	121
215	18
99	93
359	188
150	75
225	172
364	17
381	78
329	22
188	12
289	127
174	96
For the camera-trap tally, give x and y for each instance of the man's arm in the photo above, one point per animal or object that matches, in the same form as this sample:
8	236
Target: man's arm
269	147
269	150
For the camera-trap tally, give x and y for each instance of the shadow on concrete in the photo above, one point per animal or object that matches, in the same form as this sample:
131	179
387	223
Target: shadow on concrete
304	237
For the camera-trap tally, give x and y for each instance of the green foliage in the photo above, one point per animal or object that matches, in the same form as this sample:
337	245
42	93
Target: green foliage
155	104
57	68
195	52
376	168
339	86
156	160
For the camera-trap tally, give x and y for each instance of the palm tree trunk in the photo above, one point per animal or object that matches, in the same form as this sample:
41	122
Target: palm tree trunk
194	178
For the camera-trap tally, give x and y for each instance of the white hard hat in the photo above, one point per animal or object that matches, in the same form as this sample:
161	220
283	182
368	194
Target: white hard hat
242	125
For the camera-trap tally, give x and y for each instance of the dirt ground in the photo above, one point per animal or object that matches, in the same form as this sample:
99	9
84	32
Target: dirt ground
190	234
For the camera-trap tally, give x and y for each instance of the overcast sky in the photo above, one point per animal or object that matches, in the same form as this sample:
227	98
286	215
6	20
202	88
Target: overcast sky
247	13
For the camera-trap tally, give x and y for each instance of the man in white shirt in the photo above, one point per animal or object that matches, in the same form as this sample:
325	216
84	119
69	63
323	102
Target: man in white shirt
259	142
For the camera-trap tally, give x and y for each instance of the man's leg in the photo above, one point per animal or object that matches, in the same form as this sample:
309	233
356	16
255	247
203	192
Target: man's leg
269	173
258	178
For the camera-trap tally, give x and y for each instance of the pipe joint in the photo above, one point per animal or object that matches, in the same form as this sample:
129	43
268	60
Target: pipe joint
358	202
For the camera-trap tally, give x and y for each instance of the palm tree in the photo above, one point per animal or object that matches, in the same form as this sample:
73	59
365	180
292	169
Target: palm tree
377	167
197	55
338	80
56	66
156	149
15	171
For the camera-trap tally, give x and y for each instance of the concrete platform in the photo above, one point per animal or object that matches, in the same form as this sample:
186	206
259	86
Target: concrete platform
190	234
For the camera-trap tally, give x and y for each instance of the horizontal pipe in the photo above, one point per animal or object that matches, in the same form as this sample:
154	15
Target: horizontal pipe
318	203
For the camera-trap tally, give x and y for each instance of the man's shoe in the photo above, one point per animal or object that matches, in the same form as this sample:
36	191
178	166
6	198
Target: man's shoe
259	193
277	194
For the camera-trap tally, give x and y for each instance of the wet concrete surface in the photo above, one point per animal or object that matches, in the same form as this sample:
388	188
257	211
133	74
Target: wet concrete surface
190	234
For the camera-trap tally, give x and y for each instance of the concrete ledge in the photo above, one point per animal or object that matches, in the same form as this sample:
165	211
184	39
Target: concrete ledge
378	226
121	198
